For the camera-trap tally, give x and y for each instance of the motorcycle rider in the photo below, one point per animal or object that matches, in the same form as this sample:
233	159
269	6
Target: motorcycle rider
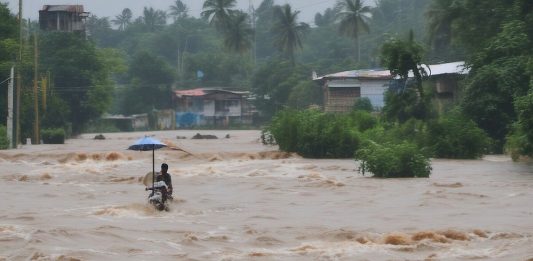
165	176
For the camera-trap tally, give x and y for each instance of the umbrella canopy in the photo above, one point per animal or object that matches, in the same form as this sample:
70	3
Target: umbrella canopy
148	143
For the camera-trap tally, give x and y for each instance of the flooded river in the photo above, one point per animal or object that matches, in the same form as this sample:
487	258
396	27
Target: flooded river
236	199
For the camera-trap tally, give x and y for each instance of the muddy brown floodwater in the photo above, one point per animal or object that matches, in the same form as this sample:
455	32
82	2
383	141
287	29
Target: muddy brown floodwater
236	199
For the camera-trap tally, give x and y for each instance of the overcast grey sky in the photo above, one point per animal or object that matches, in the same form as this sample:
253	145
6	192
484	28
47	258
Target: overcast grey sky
110	8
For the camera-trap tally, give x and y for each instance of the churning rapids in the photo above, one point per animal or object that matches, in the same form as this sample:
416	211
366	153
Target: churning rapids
236	199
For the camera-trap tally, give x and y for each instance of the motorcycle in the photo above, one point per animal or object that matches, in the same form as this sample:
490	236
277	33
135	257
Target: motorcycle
159	197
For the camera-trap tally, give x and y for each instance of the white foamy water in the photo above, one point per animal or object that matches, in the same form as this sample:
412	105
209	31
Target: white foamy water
236	199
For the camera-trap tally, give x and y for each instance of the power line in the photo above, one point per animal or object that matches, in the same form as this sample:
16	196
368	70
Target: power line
5	80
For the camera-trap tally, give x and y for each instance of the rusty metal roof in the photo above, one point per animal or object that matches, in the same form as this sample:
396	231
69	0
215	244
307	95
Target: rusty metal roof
367	74
205	91
434	69
63	8
191	92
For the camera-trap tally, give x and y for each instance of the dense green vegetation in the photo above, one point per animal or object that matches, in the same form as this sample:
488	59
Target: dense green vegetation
129	64
315	134
8	49
53	136
4	141
403	149
455	136
401	160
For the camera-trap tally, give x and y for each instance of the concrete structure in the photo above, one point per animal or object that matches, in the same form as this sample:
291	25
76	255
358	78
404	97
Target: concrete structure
166	120
63	18
216	107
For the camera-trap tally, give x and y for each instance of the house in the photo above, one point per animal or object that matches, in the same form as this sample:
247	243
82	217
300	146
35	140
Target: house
446	76
63	18
135	122
342	89
215	107
445	79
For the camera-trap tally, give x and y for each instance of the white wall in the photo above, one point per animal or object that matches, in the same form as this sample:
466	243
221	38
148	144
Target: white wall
372	89
375	91
209	108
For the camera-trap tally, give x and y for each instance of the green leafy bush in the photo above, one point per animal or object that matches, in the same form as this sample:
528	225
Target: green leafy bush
455	136
363	104
393	160
284	129
326	136
315	134
4	142
520	141
414	131
363	120
53	136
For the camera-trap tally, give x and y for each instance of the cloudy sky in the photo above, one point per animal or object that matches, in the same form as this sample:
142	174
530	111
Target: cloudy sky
110	8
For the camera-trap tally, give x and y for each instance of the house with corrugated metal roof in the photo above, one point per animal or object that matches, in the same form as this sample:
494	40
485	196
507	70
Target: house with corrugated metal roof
63	18
211	106
342	89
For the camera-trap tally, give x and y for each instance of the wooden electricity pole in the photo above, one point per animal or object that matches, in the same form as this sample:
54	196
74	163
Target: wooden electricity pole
19	77
36	138
9	125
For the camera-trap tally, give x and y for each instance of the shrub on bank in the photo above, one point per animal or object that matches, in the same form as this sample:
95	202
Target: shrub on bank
53	136
4	141
520	140
362	120
455	136
315	134
284	129
326	136
363	104
389	160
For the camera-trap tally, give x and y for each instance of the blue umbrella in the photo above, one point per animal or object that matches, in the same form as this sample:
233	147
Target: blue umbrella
146	144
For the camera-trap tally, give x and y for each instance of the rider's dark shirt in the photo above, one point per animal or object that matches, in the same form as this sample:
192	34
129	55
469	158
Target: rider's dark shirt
166	178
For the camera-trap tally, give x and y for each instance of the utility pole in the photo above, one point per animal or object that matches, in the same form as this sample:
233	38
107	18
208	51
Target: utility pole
10	109
44	90
19	77
36	91
251	10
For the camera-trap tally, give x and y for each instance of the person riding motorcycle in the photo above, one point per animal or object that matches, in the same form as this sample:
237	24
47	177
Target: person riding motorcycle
165	176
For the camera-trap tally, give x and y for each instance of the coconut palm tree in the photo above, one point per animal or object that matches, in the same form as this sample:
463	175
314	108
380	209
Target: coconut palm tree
288	32
154	19
353	20
218	13
123	19
178	10
441	14
238	36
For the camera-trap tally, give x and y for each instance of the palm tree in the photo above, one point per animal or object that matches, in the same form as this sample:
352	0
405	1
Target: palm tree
154	19
238	36
353	16
218	13
178	10
123	19
441	14
288	33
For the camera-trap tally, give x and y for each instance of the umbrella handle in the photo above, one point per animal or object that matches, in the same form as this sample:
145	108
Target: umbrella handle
153	165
